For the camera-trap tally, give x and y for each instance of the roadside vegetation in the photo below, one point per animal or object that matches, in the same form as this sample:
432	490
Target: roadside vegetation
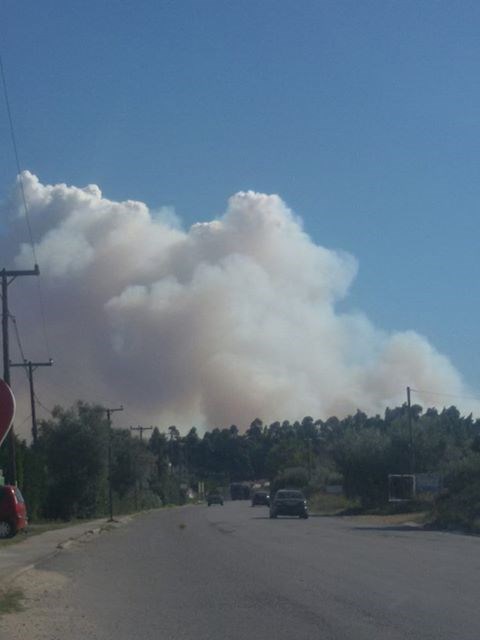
342	465
11	601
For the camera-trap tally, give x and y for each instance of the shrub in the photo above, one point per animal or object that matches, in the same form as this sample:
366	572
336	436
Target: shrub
459	506
296	478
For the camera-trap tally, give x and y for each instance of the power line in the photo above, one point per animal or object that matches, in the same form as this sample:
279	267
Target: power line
79	381
24	421
43	317
81	384
24	200
450	395
16	155
17	335
49	411
31	367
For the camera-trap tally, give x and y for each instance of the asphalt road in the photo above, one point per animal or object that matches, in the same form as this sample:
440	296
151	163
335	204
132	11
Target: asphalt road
231	573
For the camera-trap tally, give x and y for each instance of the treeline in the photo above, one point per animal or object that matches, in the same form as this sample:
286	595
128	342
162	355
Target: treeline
65	474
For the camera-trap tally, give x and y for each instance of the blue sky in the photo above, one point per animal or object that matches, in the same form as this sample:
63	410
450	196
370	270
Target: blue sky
362	116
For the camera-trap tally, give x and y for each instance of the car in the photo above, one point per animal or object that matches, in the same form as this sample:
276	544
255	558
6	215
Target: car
289	502
261	497
214	498
13	511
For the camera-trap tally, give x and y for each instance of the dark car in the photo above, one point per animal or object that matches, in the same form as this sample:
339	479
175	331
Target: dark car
240	491
289	502
13	512
214	498
261	497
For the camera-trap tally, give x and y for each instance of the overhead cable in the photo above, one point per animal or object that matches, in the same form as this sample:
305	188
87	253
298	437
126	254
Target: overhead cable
450	395
24	199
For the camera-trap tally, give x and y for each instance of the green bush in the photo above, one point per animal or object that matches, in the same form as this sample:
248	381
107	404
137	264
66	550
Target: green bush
294	478
459	506
364	459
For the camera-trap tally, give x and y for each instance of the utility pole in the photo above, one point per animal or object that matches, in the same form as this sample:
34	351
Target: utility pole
410	429
7	278
309	440
141	430
110	492
31	366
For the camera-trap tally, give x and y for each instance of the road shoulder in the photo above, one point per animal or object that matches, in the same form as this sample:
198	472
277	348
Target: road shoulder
25	554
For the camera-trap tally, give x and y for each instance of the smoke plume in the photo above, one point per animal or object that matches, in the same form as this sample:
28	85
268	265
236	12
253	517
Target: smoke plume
216	325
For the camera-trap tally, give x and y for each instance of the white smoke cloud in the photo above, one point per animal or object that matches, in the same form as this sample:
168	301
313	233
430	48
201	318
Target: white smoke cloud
216	325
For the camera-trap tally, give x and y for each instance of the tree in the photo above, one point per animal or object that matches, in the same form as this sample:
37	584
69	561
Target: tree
158	445
74	448
255	430
173	433
364	460
294	478
124	464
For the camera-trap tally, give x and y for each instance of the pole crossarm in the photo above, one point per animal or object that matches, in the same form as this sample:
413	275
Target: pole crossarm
28	363
141	430
109	411
14	273
9	273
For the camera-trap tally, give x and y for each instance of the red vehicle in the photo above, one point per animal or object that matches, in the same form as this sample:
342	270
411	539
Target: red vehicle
13	512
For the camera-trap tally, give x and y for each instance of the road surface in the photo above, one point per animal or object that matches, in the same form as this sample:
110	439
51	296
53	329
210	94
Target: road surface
231	573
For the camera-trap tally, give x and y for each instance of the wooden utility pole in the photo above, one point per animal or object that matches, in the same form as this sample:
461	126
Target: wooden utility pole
110	492
8	277
309	441
31	366
141	430
410	429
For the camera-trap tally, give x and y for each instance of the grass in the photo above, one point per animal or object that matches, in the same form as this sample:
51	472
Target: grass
329	504
11	601
415	517
338	505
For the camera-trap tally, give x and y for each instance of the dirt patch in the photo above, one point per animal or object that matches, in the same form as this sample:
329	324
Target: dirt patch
44	613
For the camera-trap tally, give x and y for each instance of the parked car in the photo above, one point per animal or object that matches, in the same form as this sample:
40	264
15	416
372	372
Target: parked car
13	512
214	498
289	502
261	497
